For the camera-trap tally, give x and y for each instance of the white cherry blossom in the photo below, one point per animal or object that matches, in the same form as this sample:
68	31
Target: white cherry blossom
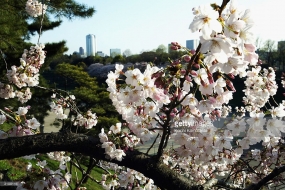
206	20
33	123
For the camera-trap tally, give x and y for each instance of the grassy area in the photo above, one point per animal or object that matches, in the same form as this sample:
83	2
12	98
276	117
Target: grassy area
90	184
15	170
6	126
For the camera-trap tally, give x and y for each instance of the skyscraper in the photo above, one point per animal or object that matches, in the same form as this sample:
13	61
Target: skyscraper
192	44
90	45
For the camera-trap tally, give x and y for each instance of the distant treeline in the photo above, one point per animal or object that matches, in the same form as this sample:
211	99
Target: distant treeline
150	56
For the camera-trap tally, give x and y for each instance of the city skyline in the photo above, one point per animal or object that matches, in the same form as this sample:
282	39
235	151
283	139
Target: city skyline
144	25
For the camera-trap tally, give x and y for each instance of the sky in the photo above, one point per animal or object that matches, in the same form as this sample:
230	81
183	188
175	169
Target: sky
142	25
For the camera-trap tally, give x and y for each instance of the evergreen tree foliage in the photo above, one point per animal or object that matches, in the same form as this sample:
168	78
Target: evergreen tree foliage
89	95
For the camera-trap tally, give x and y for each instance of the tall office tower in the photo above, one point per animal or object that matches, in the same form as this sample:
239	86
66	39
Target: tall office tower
90	45
81	51
192	44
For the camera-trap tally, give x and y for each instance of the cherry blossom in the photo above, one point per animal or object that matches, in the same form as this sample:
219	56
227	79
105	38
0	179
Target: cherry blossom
35	8
40	185
116	128
2	119
206	20
33	123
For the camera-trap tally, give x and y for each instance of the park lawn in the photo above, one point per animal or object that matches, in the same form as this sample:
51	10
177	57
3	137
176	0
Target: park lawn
15	170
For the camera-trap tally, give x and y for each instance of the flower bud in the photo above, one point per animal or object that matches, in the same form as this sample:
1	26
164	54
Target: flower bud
174	43
231	76
186	58
230	84
194	73
188	78
197	66
192	51
176	62
182	113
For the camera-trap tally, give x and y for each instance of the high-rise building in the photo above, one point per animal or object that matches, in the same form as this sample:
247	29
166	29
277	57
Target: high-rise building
192	44
90	45
114	52
81	51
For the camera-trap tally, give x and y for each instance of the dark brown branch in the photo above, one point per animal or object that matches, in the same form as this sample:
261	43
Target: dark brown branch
91	165
83	171
163	176
268	178
223	6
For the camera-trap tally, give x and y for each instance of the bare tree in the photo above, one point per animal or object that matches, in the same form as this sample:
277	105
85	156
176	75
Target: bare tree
258	42
269	48
127	53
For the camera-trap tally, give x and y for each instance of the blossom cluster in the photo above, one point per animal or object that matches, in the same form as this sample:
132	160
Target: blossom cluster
42	177
59	104
27	73
125	178
212	152
116	142
154	100
139	100
61	157
35	8
24	76
23	126
88	121
260	86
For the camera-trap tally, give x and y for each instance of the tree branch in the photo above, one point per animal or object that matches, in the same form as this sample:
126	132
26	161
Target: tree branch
266	179
163	176
223	6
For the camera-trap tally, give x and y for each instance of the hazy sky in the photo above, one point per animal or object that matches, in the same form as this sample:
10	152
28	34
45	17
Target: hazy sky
145	24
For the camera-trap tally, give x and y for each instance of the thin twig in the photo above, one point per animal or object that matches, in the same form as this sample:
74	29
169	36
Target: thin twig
152	144
42	20
99	165
3	57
